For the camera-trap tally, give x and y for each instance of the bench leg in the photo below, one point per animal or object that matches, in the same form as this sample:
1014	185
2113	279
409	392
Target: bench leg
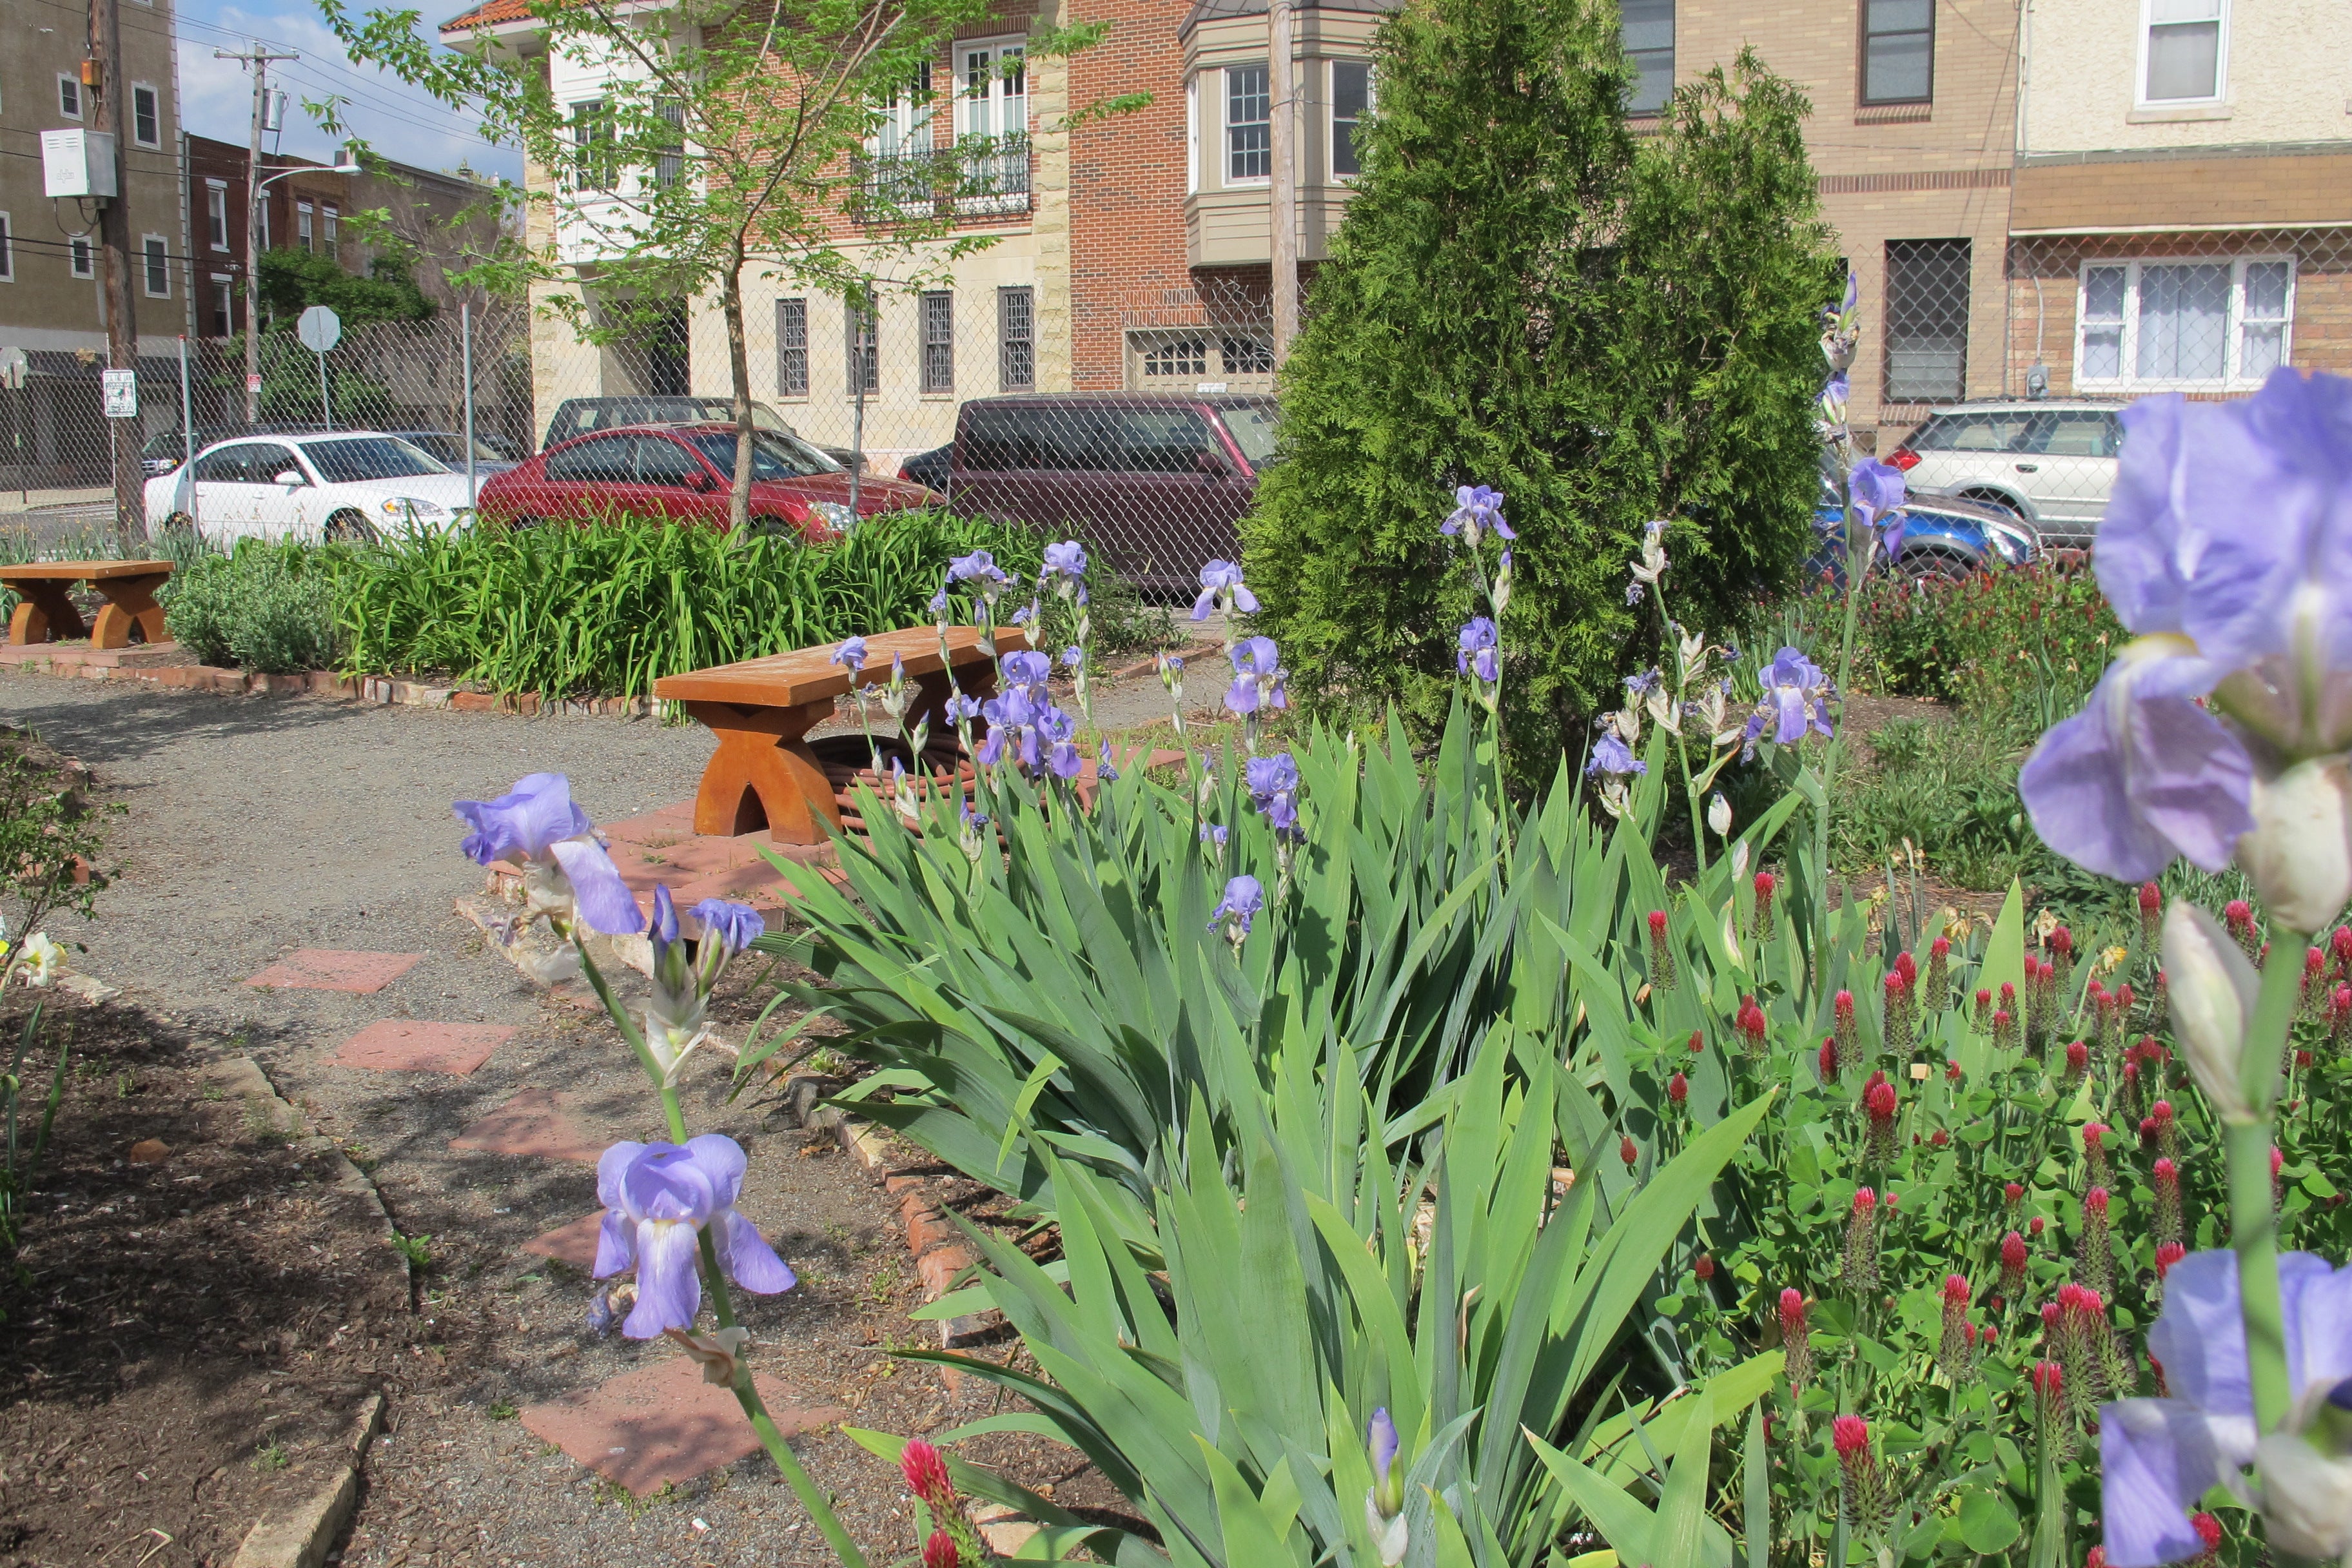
43	614
130	607
763	774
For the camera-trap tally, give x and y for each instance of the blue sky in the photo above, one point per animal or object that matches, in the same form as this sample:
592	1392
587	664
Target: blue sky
398	120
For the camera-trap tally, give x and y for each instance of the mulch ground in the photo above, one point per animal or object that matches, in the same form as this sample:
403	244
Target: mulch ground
181	1334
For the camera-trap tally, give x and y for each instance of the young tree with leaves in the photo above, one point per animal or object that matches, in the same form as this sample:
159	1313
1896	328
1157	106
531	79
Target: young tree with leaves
730	135
1607	329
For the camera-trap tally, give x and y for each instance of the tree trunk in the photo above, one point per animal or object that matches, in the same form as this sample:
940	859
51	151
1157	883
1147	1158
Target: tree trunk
739	367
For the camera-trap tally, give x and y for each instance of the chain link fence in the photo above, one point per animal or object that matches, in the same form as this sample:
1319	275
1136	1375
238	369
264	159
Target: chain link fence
2006	389
959	390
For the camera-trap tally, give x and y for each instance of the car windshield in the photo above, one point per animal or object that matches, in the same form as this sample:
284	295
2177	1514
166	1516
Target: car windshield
361	457
448	449
773	456
1252	427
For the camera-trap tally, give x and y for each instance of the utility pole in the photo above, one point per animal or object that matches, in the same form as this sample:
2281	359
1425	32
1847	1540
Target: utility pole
1282	138
258	58
101	73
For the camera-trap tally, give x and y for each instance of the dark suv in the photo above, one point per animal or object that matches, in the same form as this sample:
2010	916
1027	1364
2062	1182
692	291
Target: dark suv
1155	481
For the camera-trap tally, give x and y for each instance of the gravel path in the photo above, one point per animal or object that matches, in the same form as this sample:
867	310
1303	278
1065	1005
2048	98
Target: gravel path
255	827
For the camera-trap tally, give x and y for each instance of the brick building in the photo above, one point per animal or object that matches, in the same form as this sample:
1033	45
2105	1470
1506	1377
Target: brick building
2182	217
442	216
1982	217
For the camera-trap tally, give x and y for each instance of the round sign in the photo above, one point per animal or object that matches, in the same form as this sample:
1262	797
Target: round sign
319	328
14	367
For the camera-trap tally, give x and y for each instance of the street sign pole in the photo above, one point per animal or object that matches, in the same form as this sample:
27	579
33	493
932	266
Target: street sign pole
321	329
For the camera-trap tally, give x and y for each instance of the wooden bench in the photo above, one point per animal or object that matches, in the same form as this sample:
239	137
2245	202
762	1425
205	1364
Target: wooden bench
45	614
765	773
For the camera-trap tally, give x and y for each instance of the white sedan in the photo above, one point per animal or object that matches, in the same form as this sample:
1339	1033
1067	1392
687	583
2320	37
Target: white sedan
347	486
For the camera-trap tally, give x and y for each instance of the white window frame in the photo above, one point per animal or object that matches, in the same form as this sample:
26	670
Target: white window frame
305	226
7	249
330	225
2220	93
999	97
1225	175
149	88
906	119
68	82
1332	118
2234	377
147	265
1192	135
216	214
81	255
224	292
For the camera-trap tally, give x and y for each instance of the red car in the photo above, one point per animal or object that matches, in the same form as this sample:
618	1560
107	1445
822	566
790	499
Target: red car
683	471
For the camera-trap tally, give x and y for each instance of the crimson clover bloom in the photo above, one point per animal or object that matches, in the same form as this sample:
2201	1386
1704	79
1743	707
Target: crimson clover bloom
1257	677
566	870
2227	548
658	1198
1475	509
1223	579
852	654
1245	897
2158	1457
1796	699
1477	653
1878	493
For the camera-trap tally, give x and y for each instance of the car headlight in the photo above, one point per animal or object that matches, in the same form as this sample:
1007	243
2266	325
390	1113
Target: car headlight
2015	545
411	506
840	518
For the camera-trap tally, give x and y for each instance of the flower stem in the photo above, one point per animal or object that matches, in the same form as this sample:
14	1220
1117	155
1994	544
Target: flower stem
2254	1216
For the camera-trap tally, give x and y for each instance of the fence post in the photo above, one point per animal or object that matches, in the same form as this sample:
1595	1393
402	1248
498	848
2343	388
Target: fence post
187	430
466	372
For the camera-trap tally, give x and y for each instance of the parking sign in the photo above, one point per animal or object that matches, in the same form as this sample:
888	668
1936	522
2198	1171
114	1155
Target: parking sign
121	393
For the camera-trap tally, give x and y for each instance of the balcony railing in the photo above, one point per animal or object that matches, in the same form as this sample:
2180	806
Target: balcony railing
979	175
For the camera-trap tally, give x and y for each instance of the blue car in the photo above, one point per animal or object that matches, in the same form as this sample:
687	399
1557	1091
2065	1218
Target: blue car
1942	537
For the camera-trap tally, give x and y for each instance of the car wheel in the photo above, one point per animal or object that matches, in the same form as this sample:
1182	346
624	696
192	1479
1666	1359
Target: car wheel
348	527
2000	499
1934	562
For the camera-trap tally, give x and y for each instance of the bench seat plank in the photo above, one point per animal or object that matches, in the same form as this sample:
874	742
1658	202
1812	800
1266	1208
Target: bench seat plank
763	774
82	571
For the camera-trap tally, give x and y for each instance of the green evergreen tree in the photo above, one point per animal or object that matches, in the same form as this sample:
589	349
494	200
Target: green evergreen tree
1606	327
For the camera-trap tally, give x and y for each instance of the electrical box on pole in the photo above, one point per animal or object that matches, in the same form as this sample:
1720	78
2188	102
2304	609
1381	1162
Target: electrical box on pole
78	163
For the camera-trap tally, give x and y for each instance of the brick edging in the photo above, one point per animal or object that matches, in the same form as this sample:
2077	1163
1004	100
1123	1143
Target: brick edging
380	690
938	1250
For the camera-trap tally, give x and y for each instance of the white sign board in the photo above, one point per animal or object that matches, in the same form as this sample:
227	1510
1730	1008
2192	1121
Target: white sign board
319	328
15	366
121	393
78	163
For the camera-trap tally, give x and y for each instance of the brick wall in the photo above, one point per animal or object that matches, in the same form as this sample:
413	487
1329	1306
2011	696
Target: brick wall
1127	180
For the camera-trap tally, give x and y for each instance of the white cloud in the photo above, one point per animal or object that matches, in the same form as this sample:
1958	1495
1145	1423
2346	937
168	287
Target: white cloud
395	120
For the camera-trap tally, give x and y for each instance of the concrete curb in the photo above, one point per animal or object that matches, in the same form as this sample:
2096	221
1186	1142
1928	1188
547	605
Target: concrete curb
300	1534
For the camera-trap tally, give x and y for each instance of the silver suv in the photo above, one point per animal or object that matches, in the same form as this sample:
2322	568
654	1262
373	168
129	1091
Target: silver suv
2052	462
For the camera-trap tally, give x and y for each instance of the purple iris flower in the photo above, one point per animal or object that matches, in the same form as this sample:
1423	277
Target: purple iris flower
1223	577
732	926
1273	784
979	567
1214	832
1027	669
2251	609
1245	897
657	1199
851	652
1878	493
1612	755
536	826
1073	656
1257	677
1476	507
1477	653
1059	731
1384	1502
1383	1433
962	706
1796	699
1105	768
1067	562
939	604
2158	1457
